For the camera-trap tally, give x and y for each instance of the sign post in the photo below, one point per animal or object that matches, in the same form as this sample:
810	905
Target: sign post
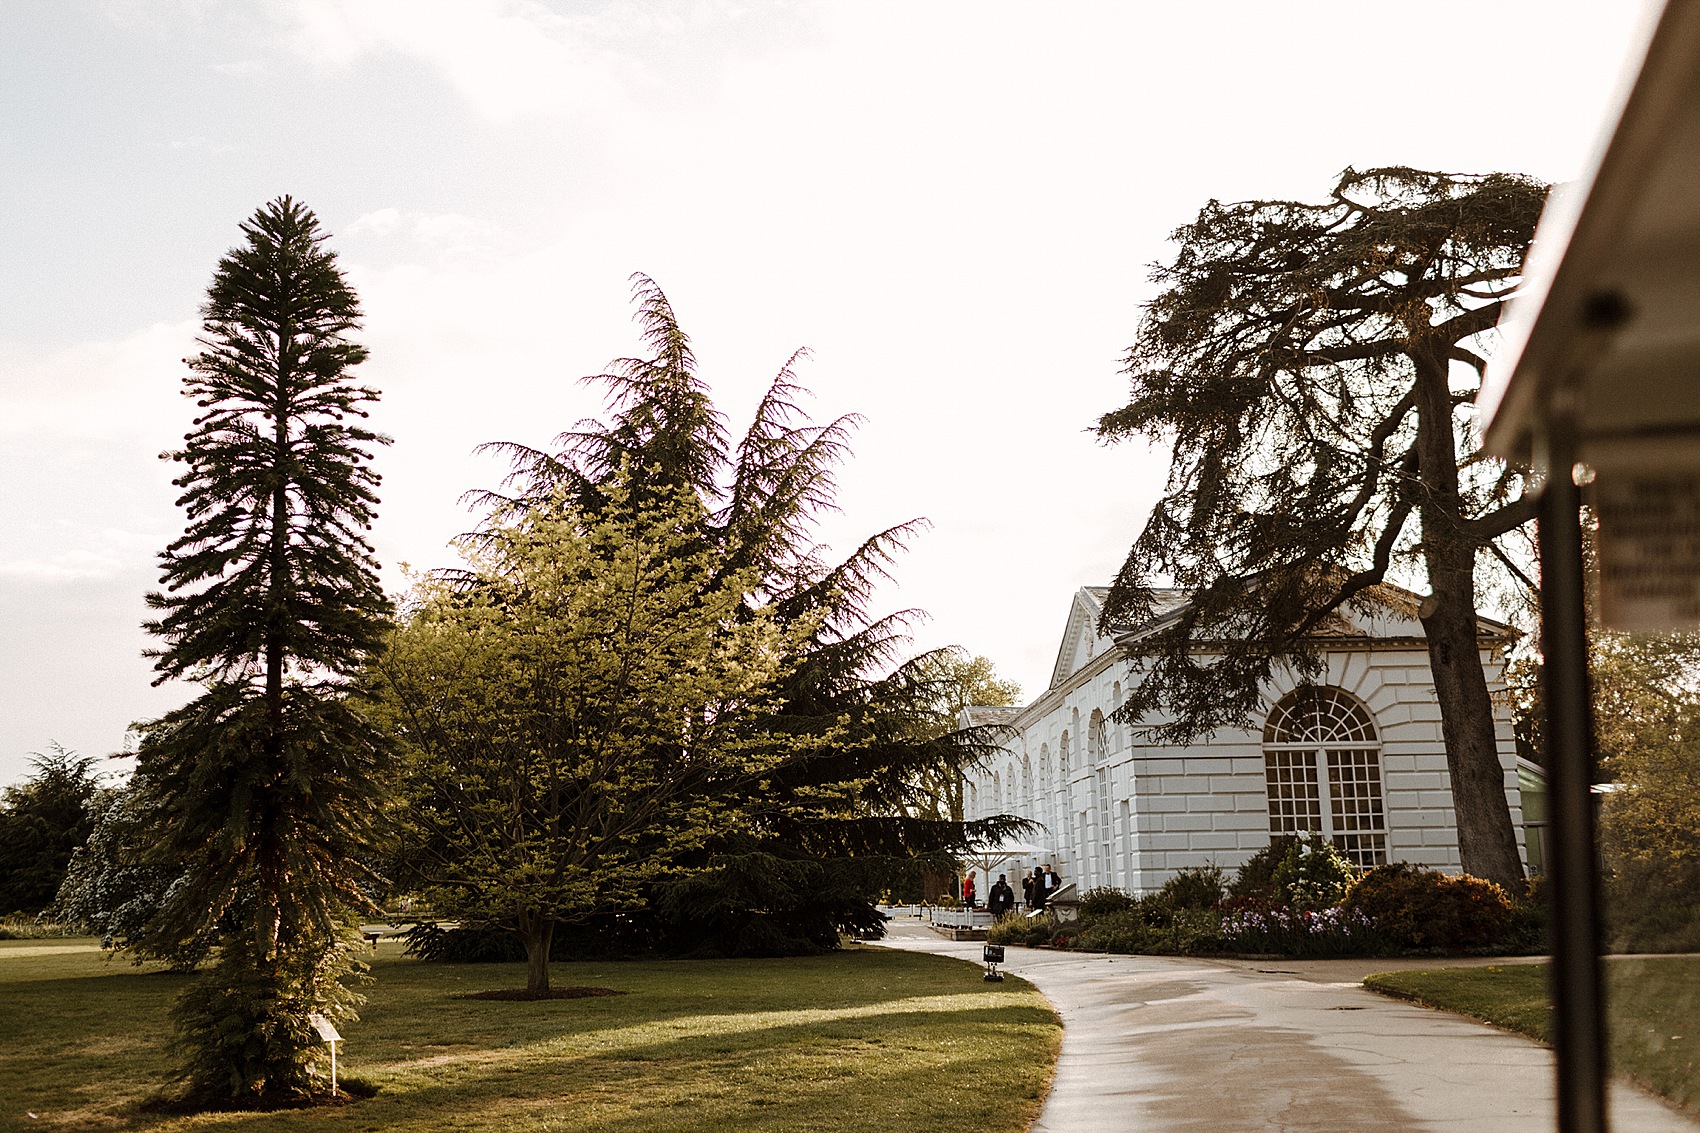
327	1032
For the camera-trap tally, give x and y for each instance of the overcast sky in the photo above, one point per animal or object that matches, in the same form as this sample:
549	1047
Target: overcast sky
952	204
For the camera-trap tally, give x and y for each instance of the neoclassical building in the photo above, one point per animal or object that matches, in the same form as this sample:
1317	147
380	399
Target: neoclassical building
1356	755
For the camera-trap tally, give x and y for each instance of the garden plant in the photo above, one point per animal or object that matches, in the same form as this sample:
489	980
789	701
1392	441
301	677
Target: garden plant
1298	897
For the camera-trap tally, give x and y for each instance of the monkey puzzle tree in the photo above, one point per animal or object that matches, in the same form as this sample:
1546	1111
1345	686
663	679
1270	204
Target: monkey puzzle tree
268	781
1314	366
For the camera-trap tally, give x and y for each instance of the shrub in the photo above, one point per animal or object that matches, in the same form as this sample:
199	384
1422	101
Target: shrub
1151	924
1652	906
1197	888
1018	928
1251	925
1312	875
1105	901
21	926
1122	931
1255	879
1424	908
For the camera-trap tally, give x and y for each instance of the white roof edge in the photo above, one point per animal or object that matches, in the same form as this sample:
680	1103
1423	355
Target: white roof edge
1580	226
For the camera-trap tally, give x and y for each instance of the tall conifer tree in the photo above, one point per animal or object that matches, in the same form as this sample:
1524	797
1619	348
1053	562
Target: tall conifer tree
268	779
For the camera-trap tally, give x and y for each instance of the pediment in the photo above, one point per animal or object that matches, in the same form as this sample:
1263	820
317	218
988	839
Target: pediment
1081	642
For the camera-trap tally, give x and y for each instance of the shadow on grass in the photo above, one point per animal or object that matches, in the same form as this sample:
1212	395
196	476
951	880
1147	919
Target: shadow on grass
854	1040
870	1069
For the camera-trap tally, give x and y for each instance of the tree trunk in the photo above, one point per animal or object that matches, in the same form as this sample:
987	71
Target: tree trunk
538	932
1487	842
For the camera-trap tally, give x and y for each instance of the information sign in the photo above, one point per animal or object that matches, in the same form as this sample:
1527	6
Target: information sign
1649	544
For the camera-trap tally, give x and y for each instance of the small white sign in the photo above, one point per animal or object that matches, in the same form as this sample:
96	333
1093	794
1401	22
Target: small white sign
326	1029
1649	544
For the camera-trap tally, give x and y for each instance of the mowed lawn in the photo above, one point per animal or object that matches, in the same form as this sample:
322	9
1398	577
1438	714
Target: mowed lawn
864	1039
1652	1005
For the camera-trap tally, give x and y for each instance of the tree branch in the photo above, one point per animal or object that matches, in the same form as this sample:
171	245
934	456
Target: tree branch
1491	526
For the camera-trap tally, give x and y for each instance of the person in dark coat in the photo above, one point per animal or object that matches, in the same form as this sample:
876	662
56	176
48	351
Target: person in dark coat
1001	899
1039	893
1027	891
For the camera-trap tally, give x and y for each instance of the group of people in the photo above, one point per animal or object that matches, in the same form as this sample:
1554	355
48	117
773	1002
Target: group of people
1036	889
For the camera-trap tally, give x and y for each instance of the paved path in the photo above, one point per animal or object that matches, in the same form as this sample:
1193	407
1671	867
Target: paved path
1175	1045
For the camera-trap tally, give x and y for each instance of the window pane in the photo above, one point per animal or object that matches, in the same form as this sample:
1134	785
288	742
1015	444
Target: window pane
1354	796
1294	804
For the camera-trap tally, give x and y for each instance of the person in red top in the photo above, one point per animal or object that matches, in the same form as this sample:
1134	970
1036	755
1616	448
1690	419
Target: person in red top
968	890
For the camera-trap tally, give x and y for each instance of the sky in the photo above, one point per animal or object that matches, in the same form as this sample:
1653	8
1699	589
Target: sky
953	206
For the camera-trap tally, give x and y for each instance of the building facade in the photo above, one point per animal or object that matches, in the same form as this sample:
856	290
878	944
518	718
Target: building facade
1355	755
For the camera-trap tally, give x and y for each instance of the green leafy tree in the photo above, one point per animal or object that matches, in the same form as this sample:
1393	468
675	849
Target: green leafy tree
959	681
1314	366
42	822
570	704
268	781
823	830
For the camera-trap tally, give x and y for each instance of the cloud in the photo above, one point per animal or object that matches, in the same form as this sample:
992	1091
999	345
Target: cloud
382	222
506	58
67	565
444	232
509	59
96	389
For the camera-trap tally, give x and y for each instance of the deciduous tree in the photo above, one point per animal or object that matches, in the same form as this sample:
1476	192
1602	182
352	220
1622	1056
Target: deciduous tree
1314	366
959	681
573	704
822	830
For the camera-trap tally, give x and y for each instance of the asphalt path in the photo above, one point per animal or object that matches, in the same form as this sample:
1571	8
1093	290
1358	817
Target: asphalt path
1164	1045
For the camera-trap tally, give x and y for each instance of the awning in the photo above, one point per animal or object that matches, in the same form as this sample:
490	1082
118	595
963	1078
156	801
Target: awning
1605	325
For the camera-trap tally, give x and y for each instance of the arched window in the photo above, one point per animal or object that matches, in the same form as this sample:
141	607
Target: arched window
1097	738
1026	778
997	790
1062	754
1322	766
1044	766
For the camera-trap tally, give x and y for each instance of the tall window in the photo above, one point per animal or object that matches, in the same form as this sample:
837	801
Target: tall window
1096	738
1322	765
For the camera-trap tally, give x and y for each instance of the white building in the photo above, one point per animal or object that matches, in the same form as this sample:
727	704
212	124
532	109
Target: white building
1357	756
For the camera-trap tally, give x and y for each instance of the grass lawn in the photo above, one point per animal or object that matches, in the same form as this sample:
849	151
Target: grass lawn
1652	1006
864	1039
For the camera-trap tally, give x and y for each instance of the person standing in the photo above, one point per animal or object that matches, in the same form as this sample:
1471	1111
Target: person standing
1039	888
1027	891
968	890
1001	899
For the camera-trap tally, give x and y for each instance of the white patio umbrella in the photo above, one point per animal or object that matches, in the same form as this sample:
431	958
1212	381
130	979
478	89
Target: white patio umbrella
986	856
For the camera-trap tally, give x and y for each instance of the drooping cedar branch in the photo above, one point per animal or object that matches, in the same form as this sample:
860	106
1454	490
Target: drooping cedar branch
1292	348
